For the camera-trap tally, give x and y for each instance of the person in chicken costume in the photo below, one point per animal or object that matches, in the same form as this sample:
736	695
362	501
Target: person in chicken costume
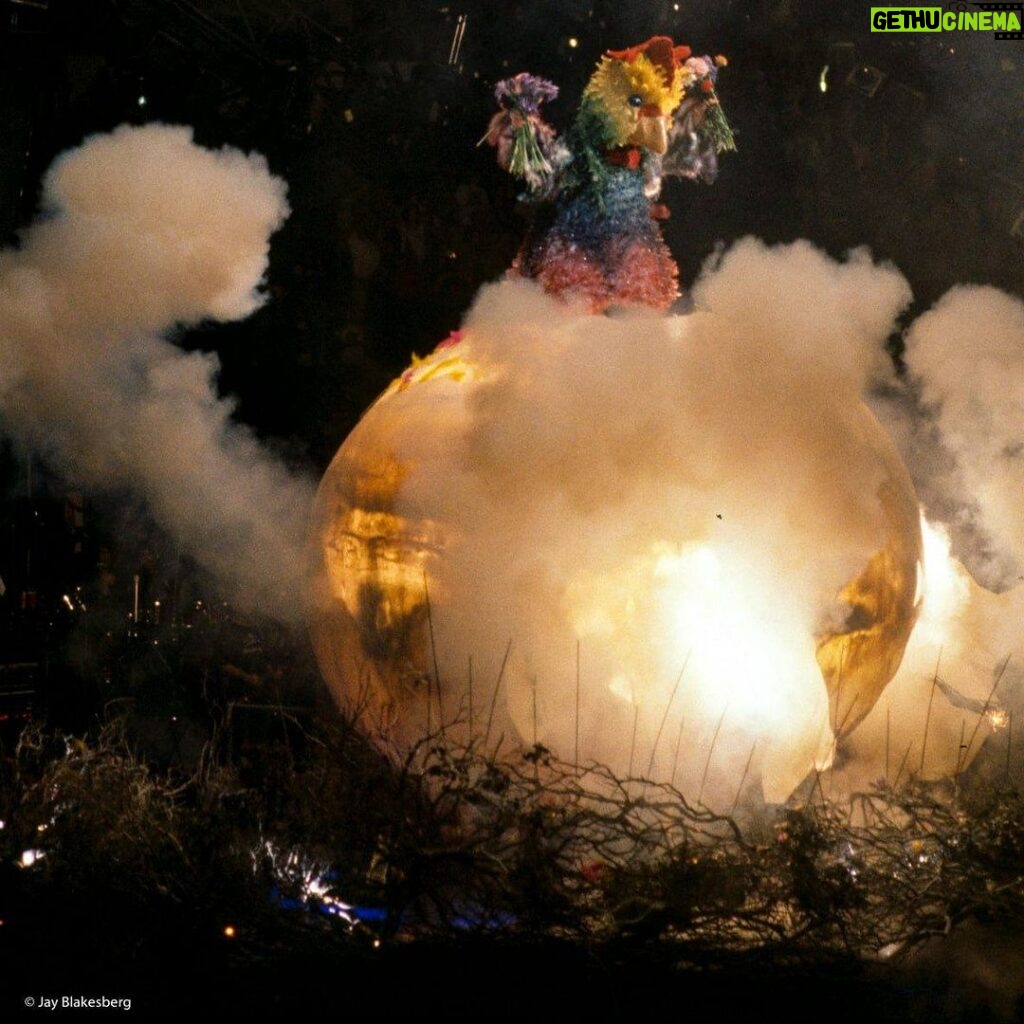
647	111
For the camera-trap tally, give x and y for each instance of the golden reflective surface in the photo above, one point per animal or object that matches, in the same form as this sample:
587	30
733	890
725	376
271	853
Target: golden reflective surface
394	591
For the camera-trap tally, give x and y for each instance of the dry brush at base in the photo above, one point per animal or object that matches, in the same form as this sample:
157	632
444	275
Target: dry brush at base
458	841
544	846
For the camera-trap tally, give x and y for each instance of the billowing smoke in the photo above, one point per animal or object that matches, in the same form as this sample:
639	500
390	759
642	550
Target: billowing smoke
684	496
966	356
960	421
143	232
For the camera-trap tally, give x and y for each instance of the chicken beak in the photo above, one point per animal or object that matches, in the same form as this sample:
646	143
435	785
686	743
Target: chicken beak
651	132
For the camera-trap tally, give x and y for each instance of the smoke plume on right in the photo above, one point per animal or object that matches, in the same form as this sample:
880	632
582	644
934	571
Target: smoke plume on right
960	423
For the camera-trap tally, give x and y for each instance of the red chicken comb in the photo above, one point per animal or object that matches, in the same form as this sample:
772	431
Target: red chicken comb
659	50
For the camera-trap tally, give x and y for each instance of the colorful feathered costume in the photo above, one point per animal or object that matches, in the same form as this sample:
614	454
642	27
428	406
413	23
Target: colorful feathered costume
646	112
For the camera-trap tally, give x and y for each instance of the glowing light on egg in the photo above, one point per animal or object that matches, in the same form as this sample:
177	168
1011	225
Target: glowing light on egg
623	538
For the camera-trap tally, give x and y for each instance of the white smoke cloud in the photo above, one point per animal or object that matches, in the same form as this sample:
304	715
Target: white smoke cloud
573	457
960	425
143	232
966	356
651	486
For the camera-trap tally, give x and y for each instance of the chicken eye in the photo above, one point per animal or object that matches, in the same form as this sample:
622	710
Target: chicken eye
636	100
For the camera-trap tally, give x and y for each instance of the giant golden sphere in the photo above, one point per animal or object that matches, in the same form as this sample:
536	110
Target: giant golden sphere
638	541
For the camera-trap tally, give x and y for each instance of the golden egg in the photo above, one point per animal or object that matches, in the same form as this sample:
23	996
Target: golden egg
476	578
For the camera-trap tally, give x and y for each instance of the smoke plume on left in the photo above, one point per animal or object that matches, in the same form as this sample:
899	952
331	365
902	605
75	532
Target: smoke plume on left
142	233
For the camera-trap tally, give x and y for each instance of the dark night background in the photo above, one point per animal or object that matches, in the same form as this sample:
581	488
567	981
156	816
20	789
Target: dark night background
913	148
397	218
